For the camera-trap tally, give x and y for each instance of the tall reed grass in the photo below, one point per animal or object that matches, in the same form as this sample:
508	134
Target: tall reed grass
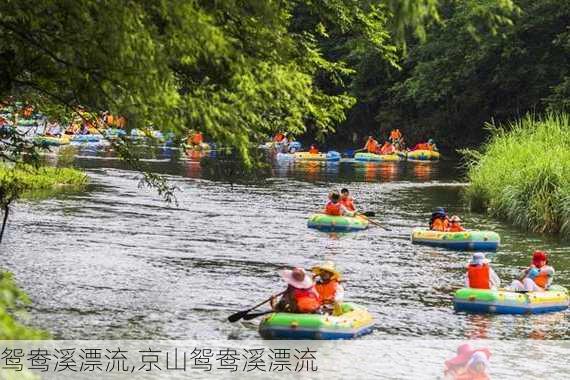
43	177
523	174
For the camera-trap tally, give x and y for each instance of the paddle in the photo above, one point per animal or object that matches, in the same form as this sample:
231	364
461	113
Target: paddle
240	314
369	213
375	223
255	315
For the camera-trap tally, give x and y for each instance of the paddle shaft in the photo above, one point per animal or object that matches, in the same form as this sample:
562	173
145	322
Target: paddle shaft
375	223
240	314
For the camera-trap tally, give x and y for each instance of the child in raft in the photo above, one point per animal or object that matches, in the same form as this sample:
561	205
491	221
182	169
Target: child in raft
313	149
335	208
328	286
346	200
455	224
371	145
439	220
480	275
301	295
537	277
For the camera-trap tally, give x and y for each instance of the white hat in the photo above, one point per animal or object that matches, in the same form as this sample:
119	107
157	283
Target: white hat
297	278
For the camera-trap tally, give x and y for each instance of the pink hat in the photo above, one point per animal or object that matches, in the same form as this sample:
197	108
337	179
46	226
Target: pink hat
464	353
297	278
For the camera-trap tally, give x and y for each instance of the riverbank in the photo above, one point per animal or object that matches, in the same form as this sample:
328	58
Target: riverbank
26	181
43	178
522	174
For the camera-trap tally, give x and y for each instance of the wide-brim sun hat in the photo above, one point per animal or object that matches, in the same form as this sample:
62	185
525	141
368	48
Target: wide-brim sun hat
327	266
297	278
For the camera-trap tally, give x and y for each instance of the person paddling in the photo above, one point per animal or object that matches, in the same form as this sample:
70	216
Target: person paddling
328	285
537	277
346	200
335	208
480	275
300	296
439	220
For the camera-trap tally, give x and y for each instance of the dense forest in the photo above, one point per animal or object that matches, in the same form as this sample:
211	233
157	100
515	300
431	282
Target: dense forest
465	74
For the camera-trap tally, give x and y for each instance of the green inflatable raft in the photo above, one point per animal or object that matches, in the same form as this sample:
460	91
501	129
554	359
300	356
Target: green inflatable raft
510	302
353	322
330	223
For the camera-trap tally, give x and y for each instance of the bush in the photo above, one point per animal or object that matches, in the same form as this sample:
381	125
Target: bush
523	174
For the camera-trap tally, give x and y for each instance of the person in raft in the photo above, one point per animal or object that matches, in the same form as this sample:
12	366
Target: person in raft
439	220
301	295
334	206
346	200
537	277
371	145
430	145
328	286
480	275
455	224
469	364
313	149
387	148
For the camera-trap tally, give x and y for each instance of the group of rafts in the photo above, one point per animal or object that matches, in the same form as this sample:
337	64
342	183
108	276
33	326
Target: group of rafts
392	150
532	293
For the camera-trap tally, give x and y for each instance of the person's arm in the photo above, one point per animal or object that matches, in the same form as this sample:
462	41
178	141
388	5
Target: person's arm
344	211
339	295
494	279
467	280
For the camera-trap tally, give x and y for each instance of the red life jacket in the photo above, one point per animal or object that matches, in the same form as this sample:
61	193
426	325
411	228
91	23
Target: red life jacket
334	209
307	300
478	276
327	291
348	203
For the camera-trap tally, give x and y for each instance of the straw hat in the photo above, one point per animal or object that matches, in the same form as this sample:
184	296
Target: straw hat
297	278
455	218
327	266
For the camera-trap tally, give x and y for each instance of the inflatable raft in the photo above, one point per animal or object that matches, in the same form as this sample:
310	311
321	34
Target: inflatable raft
306	156
86	138
329	223
510	302
371	157
423	155
52	140
461	241
353	322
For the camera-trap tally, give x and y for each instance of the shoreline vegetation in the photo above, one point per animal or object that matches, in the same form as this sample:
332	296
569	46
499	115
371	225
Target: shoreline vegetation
27	181
522	174
43	178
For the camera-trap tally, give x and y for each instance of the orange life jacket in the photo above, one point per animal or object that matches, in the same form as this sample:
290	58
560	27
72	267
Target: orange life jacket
372	146
395	134
278	137
313	150
348	203
455	227
327	291
334	209
422	146
307	300
469	374
541	279
478	276
440	224
387	148
197	138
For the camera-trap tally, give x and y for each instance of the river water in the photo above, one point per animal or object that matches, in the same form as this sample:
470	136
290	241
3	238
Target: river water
116	262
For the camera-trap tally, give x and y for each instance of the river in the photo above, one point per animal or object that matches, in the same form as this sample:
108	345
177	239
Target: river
116	262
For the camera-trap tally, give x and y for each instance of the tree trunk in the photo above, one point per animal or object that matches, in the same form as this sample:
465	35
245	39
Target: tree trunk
6	210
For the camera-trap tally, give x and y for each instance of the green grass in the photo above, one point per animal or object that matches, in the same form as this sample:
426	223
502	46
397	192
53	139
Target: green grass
44	178
523	174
